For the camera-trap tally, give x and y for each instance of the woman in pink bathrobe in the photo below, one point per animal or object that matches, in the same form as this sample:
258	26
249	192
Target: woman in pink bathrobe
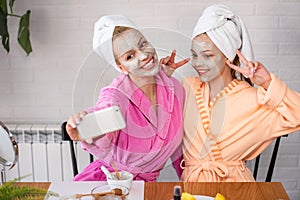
227	121
150	102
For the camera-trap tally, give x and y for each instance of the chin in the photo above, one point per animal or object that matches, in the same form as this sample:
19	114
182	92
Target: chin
154	71
205	78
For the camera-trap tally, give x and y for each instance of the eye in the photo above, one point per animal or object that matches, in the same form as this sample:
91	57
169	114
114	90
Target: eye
144	44
194	55
129	57
207	55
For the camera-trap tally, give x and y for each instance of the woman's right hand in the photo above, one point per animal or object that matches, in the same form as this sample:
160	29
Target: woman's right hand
72	123
168	63
254	70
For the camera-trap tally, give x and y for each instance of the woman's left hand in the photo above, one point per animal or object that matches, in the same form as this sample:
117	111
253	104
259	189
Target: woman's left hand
256	71
169	66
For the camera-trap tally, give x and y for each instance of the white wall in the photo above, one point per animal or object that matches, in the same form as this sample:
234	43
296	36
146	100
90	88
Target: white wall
39	88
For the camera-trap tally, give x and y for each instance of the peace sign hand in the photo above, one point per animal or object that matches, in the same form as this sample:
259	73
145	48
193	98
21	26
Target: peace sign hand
168	63
256	71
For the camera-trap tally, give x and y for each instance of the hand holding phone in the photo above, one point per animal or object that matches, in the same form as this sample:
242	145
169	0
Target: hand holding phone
101	122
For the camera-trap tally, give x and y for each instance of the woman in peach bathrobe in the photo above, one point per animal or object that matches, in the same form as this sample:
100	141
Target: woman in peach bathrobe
227	121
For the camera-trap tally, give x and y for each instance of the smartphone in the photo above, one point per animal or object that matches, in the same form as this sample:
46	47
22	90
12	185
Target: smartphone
101	122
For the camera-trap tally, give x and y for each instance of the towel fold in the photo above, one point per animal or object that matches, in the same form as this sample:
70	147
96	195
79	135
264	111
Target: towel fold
226	30
103	33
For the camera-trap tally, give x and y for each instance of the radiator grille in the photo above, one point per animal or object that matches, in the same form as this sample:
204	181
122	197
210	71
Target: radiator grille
42	154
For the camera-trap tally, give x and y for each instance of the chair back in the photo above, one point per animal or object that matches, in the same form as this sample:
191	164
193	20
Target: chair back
66	137
271	164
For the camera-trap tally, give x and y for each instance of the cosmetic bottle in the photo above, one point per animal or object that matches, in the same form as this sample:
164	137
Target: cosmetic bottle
177	192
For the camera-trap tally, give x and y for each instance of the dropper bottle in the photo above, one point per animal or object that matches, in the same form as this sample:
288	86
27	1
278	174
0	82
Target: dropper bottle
177	192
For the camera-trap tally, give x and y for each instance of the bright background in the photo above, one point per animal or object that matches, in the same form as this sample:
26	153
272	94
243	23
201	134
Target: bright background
39	88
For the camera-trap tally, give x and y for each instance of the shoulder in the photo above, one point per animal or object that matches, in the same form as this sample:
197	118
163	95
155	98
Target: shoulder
243	94
245	87
114	91
169	81
191	83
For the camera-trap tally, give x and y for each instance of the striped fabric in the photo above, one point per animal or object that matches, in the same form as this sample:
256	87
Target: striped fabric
205	115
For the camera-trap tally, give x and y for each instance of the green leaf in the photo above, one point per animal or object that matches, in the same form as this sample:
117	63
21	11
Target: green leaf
3	6
4	31
24	34
11	4
9	191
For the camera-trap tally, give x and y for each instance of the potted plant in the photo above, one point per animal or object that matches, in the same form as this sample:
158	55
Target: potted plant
11	191
23	31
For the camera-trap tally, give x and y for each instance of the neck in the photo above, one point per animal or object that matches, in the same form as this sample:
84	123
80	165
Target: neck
219	83
147	85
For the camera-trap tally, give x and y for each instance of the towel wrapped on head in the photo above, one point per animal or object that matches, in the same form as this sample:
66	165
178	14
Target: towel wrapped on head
103	33
226	30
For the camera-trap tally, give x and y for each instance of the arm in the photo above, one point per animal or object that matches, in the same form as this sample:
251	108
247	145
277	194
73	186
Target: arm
273	94
285	104
102	145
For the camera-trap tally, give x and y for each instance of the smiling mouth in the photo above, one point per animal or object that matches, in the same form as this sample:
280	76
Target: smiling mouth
202	71
149	65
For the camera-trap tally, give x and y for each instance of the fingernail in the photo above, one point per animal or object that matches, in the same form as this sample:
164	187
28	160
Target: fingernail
77	121
73	125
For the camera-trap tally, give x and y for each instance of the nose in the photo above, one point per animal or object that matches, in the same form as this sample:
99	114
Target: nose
196	62
142	56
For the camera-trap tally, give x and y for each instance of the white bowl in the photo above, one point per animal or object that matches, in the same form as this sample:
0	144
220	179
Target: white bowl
125	182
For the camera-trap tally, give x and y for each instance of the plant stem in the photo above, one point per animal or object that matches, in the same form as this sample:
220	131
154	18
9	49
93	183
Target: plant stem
13	15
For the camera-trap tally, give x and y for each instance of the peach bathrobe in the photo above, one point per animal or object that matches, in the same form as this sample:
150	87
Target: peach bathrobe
234	127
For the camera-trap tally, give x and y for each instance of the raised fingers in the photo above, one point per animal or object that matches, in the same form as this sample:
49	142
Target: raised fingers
242	58
164	61
237	68
181	63
173	54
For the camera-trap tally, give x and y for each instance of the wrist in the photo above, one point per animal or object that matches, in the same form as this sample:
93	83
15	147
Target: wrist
89	140
266	84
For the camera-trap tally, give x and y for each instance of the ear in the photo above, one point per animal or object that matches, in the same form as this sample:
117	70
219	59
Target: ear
123	70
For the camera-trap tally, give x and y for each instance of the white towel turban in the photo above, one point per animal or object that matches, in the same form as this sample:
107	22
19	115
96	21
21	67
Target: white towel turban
226	30
103	33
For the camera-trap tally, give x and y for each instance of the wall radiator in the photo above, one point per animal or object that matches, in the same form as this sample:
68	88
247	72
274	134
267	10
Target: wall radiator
43	156
46	158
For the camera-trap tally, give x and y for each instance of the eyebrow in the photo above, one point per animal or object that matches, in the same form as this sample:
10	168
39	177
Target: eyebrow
140	39
202	51
205	51
129	51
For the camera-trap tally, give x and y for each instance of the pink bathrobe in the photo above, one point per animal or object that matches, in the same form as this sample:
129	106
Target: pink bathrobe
148	140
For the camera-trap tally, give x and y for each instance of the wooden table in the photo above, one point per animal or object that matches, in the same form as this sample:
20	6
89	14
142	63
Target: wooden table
239	191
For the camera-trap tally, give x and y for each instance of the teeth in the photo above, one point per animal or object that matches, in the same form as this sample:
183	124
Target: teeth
148	65
203	71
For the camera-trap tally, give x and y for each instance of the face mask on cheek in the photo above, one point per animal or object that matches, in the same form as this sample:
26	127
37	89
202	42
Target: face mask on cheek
211	65
134	66
208	68
132	43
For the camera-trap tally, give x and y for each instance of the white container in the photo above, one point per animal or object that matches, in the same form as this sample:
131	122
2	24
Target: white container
125	182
